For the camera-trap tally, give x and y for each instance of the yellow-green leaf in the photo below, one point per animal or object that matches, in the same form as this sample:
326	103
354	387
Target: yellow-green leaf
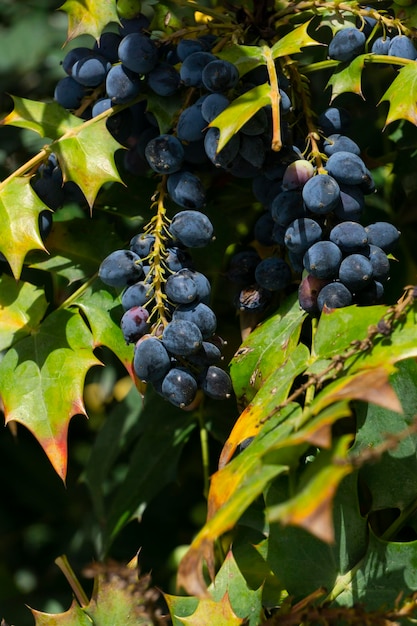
22	307
240	111
42	379
89	17
48	119
348	79
19	213
402	95
293	42
86	156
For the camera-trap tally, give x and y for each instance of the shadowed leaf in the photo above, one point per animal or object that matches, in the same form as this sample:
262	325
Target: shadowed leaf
348	79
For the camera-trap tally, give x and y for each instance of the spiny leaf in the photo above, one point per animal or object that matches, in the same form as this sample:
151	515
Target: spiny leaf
74	615
293	42
348	79
22	307
100	307
89	17
266	349
311	508
402	95
19	212
244	58
47	370
209	611
48	119
86	156
231	120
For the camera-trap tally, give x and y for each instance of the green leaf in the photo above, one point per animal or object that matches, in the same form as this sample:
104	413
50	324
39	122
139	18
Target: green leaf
348	78
86	156
293	549
48	119
152	465
293	42
392	480
103	312
264	405
22	307
165	110
89	17
19	212
402	95
74	615
231	120
266	349
244	58
74	256
387	570
118	433
47	369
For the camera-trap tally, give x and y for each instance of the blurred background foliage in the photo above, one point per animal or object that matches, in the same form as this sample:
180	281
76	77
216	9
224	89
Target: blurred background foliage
40	518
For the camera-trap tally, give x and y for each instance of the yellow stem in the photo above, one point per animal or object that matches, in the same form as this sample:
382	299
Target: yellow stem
275	99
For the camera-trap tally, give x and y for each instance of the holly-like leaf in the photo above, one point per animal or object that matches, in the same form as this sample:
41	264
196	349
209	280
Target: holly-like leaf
293	42
391	480
74	615
72	255
88	17
19	214
266	349
42	379
86	156
348	79
104	312
47	119
120	596
22	307
244	58
402	95
229	601
231	120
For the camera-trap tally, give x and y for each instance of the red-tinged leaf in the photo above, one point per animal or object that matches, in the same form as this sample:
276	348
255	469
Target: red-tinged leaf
22	307
42	379
311	508
19	214
74	615
369	386
348	79
48	119
101	309
89	17
231	120
264	406
402	95
293	42
86	156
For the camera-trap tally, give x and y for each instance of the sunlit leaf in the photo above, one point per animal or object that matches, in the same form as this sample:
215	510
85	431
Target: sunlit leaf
74	615
22	307
86	156
89	17
293	42
48	119
42	379
19	213
231	120
266	349
402	95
